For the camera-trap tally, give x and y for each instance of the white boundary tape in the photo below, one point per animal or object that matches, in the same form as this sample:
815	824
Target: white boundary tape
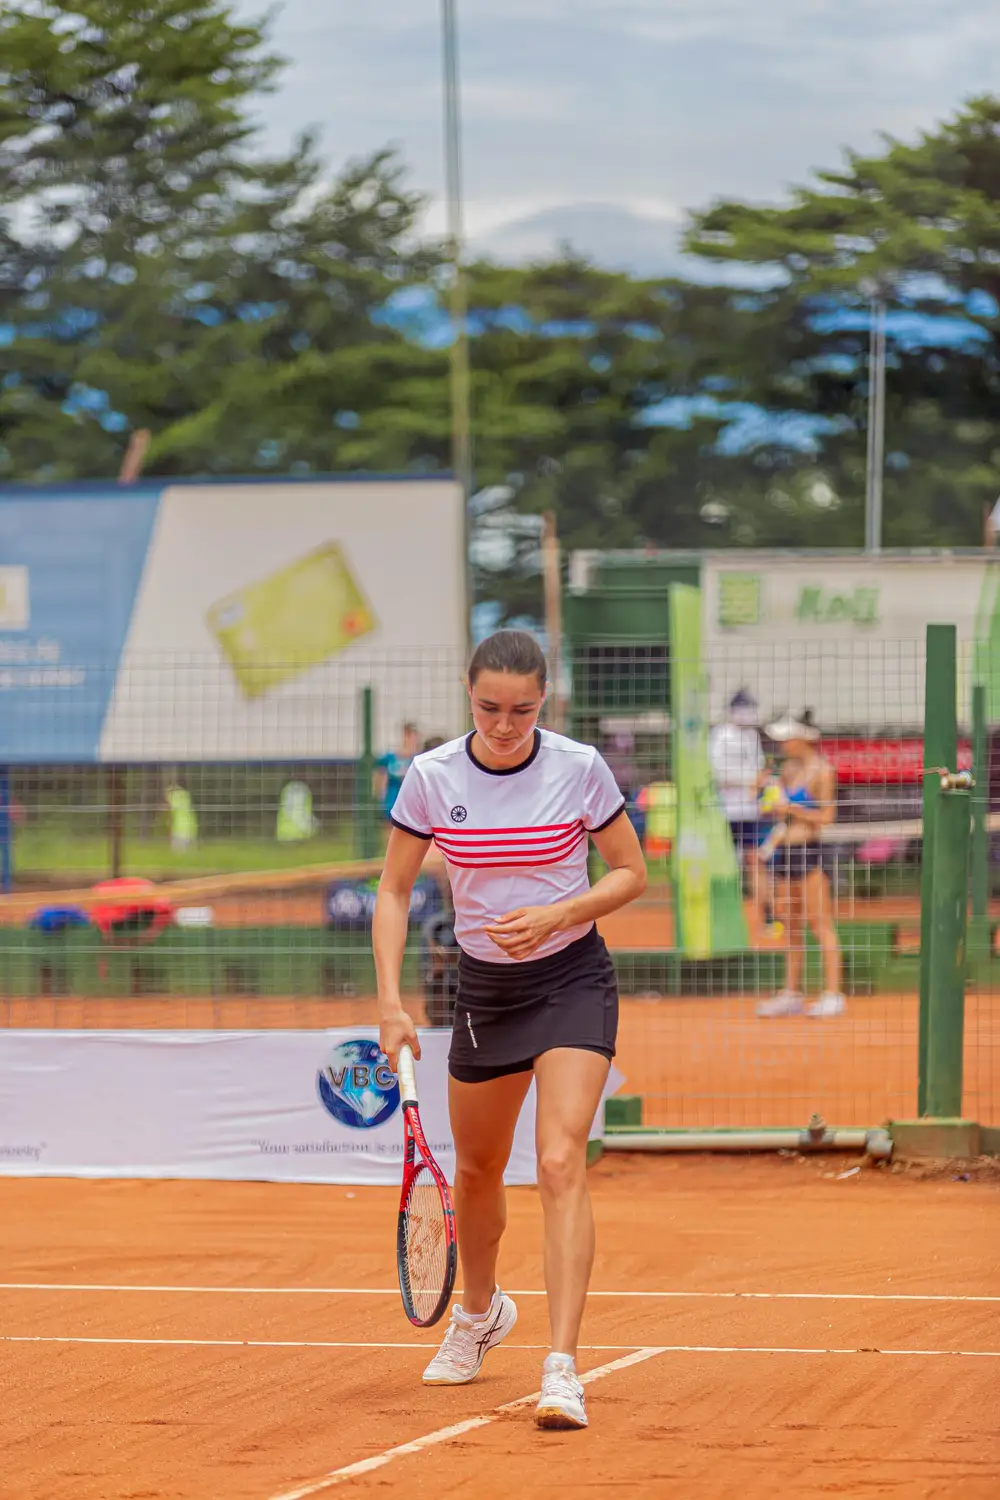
67	1338
445	1434
383	1291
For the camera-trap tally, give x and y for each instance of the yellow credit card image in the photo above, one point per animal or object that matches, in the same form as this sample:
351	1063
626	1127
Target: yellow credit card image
275	629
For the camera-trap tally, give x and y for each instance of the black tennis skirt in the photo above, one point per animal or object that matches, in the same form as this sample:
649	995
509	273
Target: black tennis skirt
507	1014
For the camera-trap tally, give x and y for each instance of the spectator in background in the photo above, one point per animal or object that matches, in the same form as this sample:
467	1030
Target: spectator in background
393	766
434	743
738	768
737	758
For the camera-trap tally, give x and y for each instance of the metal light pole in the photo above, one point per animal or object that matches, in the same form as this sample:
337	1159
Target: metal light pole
461	441
876	418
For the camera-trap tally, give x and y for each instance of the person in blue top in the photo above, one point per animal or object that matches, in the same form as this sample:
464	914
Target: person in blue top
801	806
393	766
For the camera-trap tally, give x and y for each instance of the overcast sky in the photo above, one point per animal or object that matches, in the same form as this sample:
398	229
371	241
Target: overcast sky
604	120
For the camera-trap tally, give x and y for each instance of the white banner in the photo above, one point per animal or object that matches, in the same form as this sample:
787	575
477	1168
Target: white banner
274	1106
264	609
842	635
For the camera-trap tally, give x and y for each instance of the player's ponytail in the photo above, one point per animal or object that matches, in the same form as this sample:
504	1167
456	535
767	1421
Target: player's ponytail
512	651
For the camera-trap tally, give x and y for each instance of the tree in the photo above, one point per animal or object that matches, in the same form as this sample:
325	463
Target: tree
156	272
918	226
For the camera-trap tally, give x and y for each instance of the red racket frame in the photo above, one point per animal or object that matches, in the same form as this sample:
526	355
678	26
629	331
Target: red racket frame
413	1165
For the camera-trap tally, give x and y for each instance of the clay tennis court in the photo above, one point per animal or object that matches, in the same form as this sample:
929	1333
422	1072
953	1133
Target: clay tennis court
759	1327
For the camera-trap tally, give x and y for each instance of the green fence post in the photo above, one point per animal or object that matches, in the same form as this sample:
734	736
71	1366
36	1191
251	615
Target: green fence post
367	814
940	749
946	958
979	931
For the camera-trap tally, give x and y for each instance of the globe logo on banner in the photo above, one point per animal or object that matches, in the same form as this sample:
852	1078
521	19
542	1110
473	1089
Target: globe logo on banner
356	1085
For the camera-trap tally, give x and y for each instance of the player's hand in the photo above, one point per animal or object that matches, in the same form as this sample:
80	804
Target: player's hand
520	933
396	1031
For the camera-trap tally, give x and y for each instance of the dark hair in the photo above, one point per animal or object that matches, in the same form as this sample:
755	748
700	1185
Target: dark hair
512	651
434	743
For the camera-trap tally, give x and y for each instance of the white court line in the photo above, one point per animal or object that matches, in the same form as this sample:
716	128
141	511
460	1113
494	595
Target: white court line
65	1338
445	1434
383	1291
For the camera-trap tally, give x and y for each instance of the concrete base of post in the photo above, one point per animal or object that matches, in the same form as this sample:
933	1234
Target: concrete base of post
935	1139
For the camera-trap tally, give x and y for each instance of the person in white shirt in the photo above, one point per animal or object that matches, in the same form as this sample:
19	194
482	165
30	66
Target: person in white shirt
512	808
738	765
737	760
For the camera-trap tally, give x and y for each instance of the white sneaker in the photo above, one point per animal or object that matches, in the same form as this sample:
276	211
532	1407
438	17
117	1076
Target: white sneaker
827	1005
560	1404
785	1003
469	1340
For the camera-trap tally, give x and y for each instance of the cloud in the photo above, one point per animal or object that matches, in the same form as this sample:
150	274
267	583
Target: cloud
642	108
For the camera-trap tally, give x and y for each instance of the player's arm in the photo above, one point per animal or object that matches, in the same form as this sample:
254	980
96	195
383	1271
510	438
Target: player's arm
625	878
390	925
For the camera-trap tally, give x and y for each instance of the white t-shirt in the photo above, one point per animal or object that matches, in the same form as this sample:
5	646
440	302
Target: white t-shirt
511	838
737	761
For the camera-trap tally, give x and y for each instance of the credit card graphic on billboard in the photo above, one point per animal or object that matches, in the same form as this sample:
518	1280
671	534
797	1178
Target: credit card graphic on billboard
273	630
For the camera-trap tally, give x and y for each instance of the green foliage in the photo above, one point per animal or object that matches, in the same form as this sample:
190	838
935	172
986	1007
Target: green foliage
156	270
919	226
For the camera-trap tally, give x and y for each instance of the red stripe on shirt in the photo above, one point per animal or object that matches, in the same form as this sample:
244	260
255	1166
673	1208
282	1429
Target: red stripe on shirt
476	833
501	863
485	838
516	847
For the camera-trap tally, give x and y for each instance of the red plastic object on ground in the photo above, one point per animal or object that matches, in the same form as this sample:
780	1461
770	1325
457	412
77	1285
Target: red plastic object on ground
130	907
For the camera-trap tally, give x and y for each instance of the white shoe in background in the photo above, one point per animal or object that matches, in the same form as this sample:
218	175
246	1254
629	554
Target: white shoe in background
828	1004
785	1003
469	1340
560	1405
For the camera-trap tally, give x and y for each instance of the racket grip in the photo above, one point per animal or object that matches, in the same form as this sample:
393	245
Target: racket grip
407	1075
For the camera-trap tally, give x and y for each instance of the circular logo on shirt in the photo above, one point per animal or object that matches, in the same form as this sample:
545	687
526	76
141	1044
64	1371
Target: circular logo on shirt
458	814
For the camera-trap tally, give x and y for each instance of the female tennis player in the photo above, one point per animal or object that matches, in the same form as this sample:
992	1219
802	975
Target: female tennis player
511	807
806	804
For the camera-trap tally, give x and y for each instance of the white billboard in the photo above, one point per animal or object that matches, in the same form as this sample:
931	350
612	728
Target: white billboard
262	610
844	634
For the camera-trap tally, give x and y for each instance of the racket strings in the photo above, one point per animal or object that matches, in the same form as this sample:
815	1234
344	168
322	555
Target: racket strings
427	1247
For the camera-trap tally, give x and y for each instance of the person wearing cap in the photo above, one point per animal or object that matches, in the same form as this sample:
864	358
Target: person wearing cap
738	767
804	803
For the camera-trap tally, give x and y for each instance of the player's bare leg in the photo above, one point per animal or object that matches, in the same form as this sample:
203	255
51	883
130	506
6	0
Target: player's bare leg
483	1117
569	1082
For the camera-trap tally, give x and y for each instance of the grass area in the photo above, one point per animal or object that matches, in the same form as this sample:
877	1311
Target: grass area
51	855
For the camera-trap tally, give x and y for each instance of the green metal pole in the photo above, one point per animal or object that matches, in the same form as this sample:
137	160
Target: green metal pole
979	931
367	824
946	998
940	749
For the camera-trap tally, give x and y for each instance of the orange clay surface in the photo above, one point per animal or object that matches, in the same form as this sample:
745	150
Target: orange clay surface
865	1363
700	1061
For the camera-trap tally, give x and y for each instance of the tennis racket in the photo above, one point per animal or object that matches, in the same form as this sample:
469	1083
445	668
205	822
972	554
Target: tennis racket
426	1243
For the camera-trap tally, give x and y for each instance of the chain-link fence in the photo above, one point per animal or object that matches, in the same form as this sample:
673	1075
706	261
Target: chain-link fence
769	972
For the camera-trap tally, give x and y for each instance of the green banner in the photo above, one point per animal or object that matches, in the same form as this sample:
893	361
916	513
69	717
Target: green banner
708	898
